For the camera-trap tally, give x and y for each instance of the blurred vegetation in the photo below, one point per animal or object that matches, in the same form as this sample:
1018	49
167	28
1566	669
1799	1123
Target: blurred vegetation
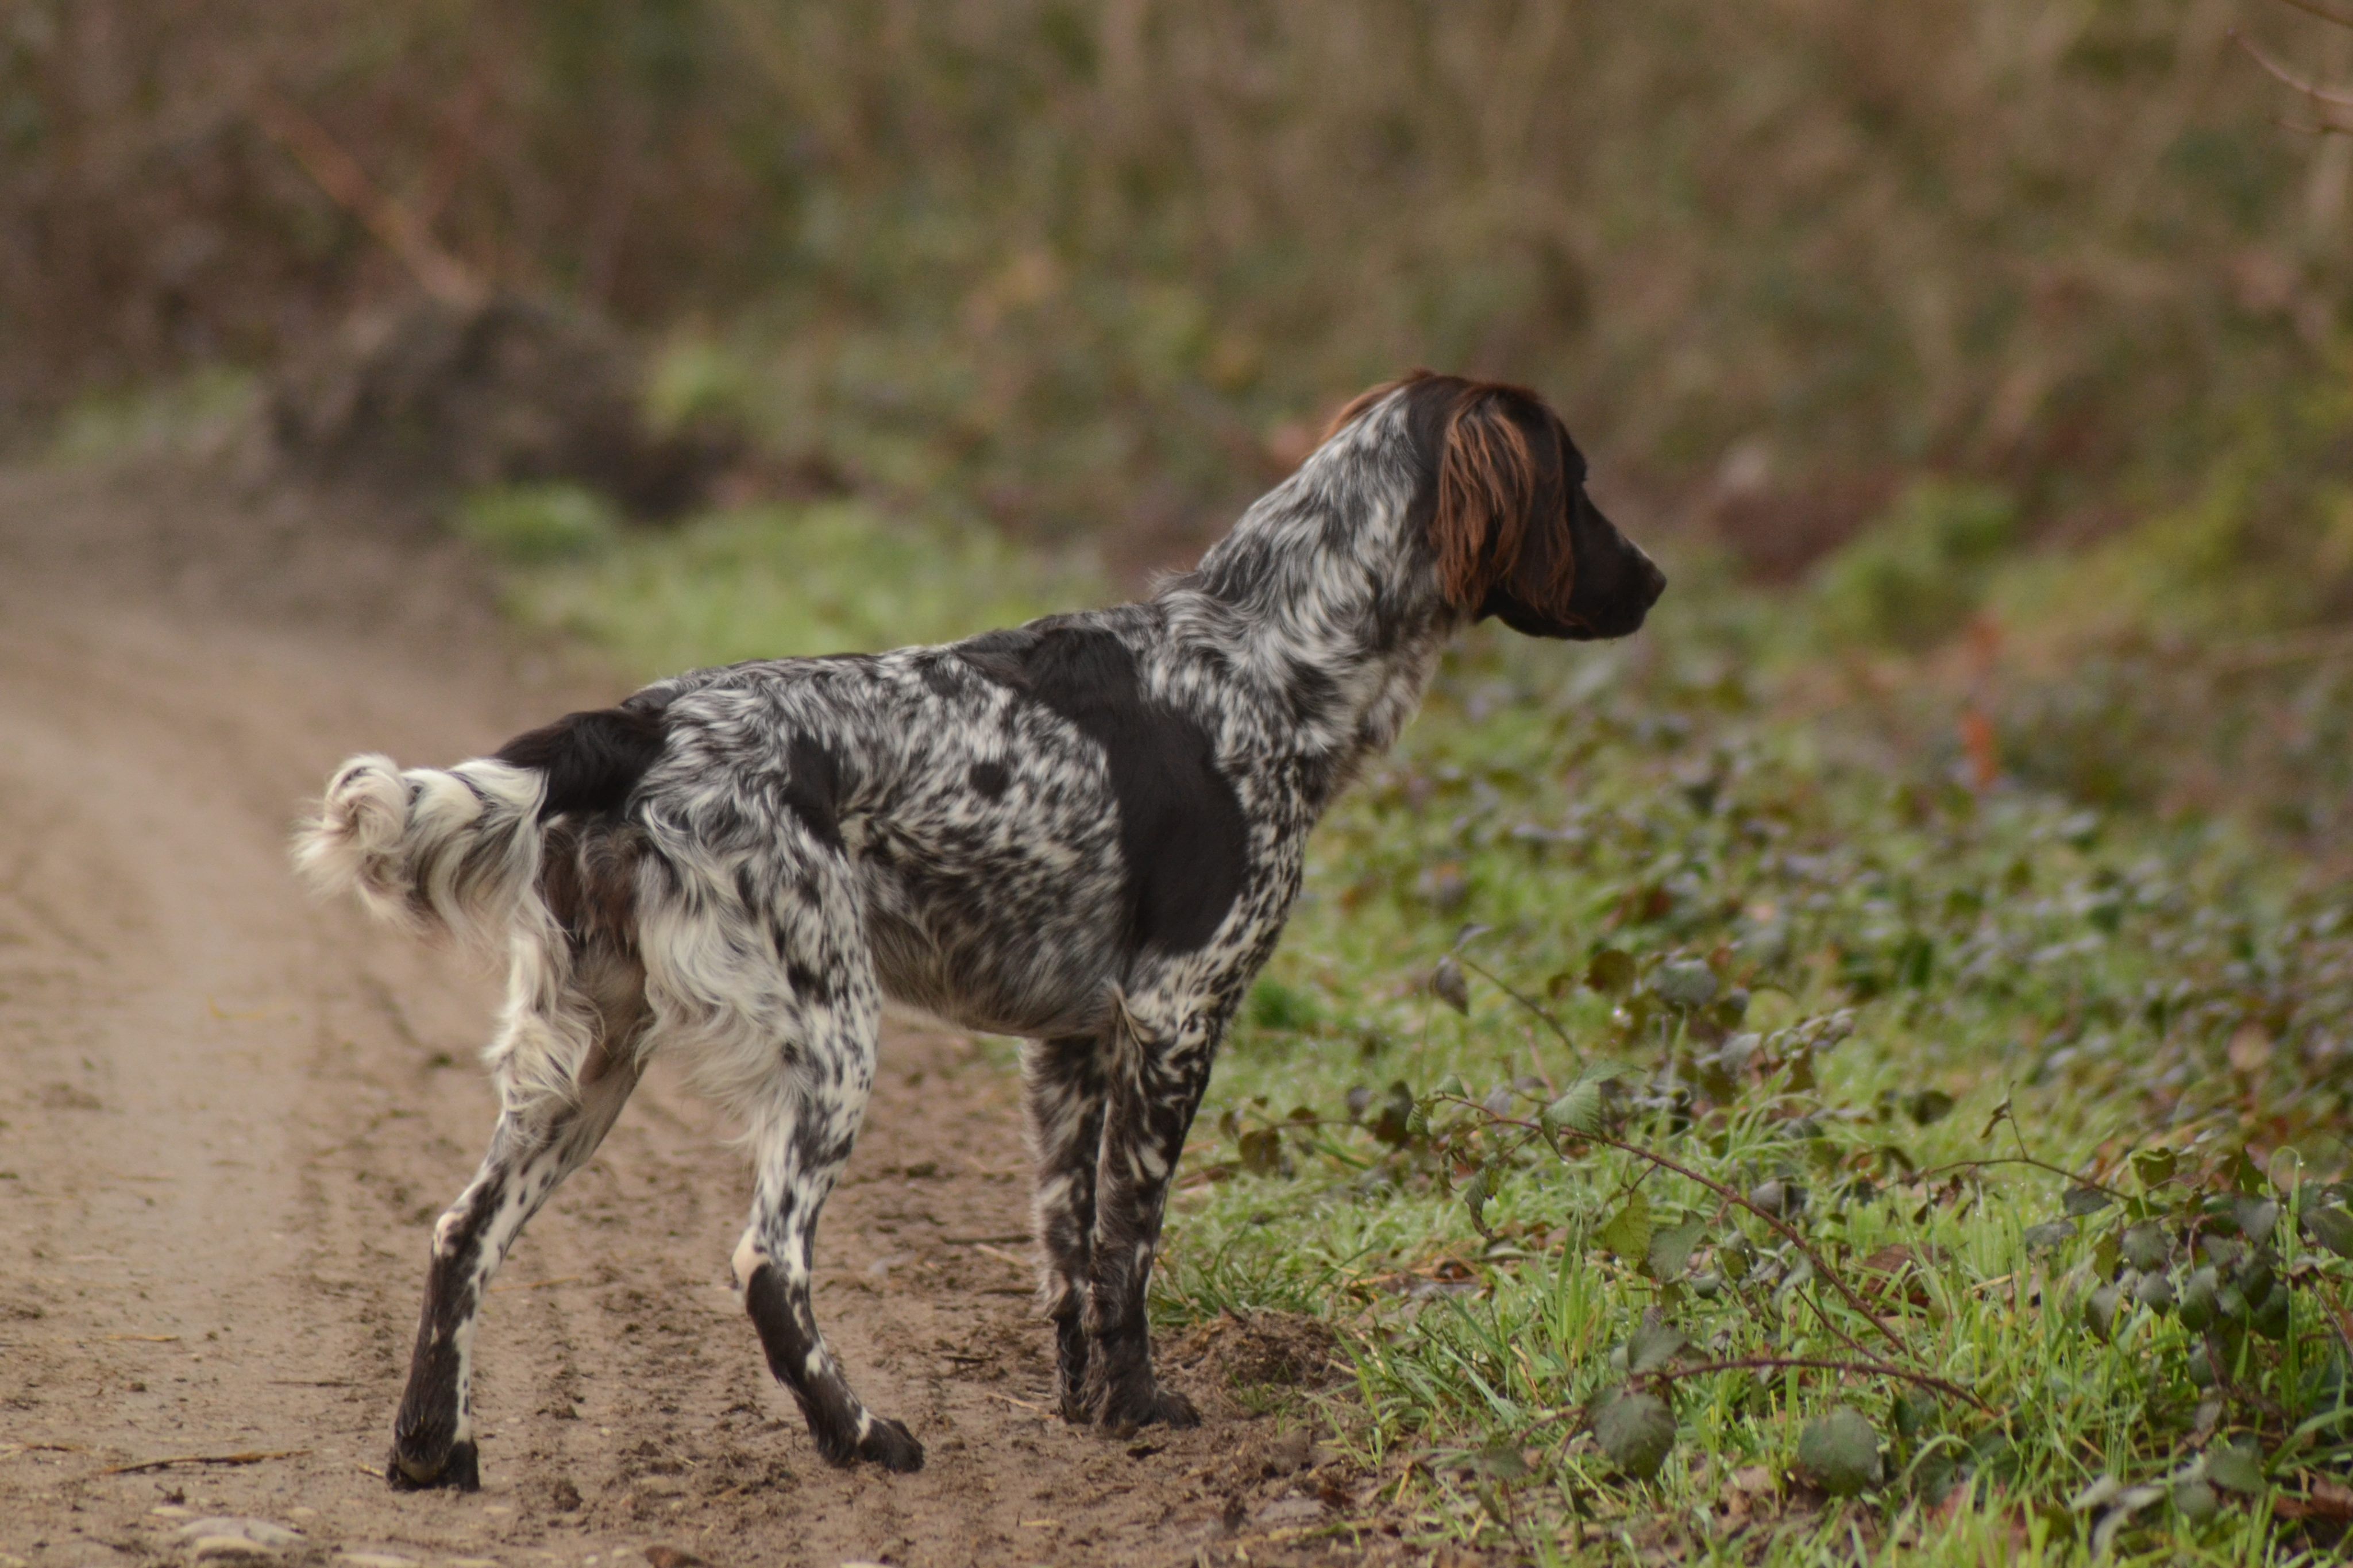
1981	791
2040	1085
1079	266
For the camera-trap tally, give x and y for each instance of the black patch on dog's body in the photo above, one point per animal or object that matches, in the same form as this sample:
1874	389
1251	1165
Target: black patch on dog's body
1181	829
813	789
592	761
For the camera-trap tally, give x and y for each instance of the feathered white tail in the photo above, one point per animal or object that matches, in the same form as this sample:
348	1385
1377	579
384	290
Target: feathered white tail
434	850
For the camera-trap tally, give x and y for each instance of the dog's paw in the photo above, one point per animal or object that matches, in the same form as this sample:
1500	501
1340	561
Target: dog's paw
1120	1409
888	1443
461	1470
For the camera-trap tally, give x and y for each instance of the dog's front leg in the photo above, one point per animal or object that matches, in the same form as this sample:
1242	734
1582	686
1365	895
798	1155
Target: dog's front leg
1156	1085
534	1146
1063	1093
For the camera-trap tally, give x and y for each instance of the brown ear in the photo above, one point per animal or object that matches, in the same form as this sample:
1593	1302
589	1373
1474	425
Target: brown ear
1492	481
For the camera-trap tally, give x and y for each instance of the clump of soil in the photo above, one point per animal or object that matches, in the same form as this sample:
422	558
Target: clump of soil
1261	1350
429	399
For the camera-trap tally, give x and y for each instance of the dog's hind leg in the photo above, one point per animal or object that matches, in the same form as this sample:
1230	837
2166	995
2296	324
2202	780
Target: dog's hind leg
540	1139
805	1111
1064	1091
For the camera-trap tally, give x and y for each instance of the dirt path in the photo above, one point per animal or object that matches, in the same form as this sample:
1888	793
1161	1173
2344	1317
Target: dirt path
226	1119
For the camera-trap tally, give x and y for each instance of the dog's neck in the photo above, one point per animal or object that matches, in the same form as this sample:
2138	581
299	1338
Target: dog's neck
1324	596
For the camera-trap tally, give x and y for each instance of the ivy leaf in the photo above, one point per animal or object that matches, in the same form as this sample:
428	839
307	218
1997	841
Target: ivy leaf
1578	1111
1637	1431
1263	1152
2154	1167
1840	1451
1654	1344
1686	984
2256	1218
1449	1087
2049	1237
1446	983
2082	1201
2196	1501
1671	1249
2239	1467
1475	1192
2199	1303
1611	973
2145	1246
2331	1226
1996	1117
1628	1233
1930	1106
2100	1309
1394	1125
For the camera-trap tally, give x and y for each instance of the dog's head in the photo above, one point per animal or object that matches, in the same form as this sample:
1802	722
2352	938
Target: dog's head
1513	534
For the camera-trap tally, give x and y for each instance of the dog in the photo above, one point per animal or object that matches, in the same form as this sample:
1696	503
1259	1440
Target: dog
1086	832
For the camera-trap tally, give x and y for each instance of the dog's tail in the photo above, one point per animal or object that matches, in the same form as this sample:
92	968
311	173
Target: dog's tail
437	851
456	851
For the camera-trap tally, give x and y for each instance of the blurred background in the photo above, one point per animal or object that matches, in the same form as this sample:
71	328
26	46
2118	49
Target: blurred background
1978	335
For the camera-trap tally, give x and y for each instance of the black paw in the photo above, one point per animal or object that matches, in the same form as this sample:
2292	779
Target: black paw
461	1468
888	1443
1122	1408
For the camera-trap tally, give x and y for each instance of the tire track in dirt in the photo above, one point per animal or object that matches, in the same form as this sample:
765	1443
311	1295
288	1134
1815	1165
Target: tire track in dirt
228	1119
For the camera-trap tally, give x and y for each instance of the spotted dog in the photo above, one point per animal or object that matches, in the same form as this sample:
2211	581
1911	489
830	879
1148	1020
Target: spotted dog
1086	832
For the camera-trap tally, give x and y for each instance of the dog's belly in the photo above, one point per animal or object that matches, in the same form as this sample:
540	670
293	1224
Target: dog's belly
1006	959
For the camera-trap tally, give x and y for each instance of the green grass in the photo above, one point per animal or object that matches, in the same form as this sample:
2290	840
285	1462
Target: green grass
1790	951
766	581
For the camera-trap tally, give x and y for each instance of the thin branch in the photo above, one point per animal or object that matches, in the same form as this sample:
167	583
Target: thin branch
2326	13
1828	1322
1789	1232
1550	1021
340	176
1769	1363
251	1457
2310	89
2025	1160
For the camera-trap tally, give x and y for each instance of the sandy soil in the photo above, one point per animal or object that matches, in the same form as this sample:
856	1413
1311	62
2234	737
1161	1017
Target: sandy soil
227	1118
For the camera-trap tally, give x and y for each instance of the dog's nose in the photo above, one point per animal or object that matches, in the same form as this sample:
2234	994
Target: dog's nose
1654	582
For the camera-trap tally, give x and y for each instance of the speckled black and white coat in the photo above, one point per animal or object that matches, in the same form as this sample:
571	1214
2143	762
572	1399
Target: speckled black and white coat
1086	832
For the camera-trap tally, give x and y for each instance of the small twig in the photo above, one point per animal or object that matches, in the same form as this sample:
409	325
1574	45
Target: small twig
1769	1363
1821	1265
1001	1255
341	177
1024	1404
1550	1021
13	1449
147	1339
2326	13
254	1456
1847	1339
1019	1235
2311	90
2025	1160
1789	1232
